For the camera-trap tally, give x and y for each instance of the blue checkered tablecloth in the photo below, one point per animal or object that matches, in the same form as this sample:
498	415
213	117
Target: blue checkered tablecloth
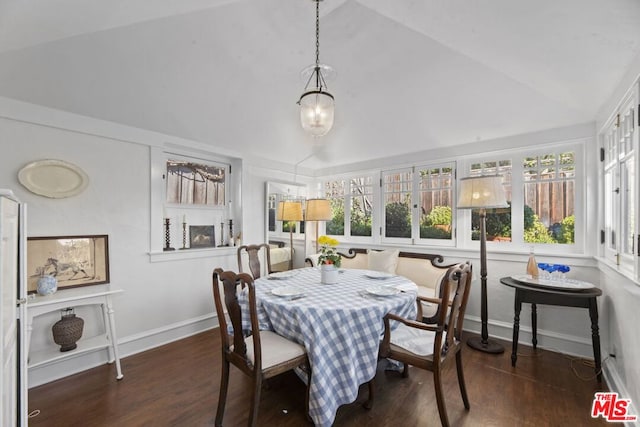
340	325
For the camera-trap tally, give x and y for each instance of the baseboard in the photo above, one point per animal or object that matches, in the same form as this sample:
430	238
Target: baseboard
562	343
127	346
615	383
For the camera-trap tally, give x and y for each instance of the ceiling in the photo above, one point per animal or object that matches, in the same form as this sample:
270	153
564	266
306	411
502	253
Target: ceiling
410	74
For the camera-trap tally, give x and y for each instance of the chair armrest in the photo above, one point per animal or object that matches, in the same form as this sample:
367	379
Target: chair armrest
430	299
411	323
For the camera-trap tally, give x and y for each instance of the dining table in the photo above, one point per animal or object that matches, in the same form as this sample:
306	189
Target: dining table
340	325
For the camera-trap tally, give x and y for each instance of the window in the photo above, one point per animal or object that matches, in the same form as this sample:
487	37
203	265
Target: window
543	212
418	204
350	198
619	141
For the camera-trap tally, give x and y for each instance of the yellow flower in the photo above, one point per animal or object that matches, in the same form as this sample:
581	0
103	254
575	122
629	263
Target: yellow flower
328	254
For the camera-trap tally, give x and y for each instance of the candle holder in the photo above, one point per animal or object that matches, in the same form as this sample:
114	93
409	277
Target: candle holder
222	234
184	235
167	235
231	240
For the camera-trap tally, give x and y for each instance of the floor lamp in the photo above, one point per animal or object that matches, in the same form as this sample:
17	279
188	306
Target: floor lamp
483	192
290	210
318	210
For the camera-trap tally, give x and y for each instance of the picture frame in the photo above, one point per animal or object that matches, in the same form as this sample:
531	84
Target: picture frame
73	260
202	236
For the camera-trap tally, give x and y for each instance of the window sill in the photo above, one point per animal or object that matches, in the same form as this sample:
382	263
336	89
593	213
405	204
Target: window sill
181	254
605	263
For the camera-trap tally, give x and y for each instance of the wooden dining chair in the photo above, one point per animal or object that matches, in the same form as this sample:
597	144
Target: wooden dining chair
258	354
416	343
253	259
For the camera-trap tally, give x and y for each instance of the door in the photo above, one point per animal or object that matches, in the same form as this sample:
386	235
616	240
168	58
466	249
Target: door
10	379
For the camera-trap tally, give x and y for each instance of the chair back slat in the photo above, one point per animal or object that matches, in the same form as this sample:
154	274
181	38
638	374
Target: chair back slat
253	255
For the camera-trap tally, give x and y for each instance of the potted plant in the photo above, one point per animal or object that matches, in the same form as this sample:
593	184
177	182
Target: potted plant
329	259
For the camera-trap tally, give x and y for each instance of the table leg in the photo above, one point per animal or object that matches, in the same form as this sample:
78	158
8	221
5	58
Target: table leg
114	338
595	336
534	325
516	329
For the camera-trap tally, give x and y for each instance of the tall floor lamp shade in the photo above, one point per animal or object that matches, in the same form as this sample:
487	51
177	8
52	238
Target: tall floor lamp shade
318	210
289	210
483	192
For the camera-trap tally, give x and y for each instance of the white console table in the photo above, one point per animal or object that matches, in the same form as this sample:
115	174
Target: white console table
75	297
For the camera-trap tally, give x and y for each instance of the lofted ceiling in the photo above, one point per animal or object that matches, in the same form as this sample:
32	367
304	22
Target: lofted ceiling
410	74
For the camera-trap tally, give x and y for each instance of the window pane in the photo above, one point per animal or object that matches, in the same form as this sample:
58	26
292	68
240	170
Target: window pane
334	191
549	199
397	204
435	203
361	205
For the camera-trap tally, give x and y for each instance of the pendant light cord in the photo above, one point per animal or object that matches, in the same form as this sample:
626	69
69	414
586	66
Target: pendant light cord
318	82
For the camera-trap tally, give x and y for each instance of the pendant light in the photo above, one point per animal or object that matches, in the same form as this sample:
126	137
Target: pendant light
316	104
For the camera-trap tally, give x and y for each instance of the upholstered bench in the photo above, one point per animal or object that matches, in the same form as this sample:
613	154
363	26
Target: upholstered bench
425	270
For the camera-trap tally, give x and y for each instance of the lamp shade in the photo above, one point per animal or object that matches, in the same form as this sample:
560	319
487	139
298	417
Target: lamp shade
316	112
289	210
318	210
481	192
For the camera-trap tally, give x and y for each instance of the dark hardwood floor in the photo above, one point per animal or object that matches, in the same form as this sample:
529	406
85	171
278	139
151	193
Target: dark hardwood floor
177	385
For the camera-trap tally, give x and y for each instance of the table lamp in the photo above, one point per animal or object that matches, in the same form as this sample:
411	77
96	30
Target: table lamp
290	210
318	210
483	192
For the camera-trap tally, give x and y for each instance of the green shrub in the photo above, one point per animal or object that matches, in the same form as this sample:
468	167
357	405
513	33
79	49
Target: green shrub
429	232
567	230
439	215
397	220
538	233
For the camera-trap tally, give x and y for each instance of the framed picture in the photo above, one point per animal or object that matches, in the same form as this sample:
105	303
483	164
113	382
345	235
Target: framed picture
73	260
202	236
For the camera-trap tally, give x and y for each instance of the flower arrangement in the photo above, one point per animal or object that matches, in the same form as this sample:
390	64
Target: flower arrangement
328	253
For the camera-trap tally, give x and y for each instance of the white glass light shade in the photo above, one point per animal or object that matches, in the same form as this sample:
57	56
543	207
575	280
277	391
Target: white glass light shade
289	211
316	112
318	210
481	192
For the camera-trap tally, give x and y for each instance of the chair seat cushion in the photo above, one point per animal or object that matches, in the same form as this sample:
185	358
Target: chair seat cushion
276	349
413	340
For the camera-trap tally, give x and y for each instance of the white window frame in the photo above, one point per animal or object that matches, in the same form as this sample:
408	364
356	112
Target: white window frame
517	200
415	208
612	210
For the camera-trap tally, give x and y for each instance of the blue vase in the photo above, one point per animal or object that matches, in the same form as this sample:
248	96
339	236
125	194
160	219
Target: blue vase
47	285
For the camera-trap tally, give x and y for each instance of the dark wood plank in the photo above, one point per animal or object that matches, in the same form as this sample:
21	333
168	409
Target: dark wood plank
177	385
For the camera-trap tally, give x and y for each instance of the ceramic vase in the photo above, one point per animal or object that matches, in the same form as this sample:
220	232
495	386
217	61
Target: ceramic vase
328	274
68	330
47	285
